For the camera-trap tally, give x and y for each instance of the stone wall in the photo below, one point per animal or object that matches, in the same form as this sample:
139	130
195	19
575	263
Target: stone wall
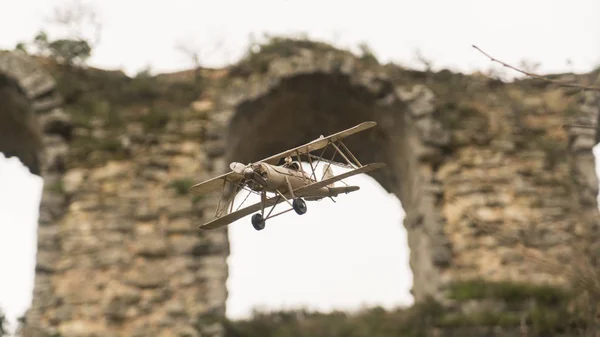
472	160
118	253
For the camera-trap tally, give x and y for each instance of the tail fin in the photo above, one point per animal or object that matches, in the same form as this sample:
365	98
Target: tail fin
328	173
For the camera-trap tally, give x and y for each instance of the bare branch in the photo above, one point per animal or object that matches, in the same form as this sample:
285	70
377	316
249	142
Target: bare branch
428	64
581	126
561	83
75	17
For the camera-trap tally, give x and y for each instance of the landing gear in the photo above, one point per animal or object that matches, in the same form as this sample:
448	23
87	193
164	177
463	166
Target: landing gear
258	222
299	206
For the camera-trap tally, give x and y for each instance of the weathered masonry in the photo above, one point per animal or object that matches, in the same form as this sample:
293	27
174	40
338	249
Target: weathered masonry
471	159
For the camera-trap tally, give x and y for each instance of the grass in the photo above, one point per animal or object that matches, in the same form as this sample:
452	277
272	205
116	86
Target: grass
373	322
549	315
416	321
510	292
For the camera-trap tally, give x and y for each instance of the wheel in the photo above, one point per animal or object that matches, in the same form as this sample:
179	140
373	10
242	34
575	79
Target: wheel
258	222
299	206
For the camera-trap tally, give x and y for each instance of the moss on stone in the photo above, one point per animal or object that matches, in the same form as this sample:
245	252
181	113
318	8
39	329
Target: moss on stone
455	115
155	120
87	151
260	54
106	101
3	324
466	122
57	187
540	321
538	138
196	198
511	292
181	186
504	319
556	151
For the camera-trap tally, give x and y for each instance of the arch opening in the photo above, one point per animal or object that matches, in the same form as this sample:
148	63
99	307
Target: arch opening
20	197
357	244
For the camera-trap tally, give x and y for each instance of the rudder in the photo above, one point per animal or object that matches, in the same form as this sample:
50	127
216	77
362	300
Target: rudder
328	173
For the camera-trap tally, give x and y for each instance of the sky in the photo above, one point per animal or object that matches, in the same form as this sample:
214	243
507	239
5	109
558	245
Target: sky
346	254
326	258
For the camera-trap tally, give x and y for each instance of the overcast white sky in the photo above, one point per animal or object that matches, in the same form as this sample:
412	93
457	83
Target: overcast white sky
303	260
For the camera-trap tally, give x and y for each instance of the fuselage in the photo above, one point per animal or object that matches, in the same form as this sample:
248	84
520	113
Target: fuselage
277	178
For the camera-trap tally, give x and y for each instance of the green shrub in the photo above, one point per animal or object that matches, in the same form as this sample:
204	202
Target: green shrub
3	324
155	120
181	186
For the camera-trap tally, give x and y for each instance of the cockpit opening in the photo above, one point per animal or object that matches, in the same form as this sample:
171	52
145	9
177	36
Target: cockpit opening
289	163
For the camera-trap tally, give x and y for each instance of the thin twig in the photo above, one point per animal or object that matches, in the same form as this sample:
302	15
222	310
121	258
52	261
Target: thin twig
544	78
581	126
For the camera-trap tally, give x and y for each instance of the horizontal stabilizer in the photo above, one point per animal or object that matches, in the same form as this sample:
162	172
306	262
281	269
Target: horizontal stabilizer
334	191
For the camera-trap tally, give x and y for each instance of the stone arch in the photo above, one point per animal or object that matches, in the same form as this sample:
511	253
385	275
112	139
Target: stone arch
36	130
451	154
38	124
39	129
313	93
32	93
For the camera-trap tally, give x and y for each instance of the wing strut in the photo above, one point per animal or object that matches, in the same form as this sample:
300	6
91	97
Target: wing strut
354	163
319	143
349	152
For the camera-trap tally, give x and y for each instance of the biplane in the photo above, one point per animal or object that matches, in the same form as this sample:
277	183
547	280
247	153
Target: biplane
287	183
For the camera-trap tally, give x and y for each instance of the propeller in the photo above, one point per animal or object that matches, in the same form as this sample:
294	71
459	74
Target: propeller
237	167
247	172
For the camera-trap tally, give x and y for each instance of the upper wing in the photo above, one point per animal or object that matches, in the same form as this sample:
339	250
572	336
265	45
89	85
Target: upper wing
308	189
319	143
236	215
214	183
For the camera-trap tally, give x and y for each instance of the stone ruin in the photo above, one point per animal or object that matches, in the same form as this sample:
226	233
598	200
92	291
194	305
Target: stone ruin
473	160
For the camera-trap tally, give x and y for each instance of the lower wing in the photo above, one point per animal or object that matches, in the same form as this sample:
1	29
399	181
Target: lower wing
236	215
215	183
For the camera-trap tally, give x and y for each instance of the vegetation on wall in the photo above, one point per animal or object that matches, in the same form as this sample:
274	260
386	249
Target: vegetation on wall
260	53
373	322
534	314
3	323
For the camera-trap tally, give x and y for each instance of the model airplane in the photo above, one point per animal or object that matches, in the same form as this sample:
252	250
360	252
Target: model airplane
289	182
